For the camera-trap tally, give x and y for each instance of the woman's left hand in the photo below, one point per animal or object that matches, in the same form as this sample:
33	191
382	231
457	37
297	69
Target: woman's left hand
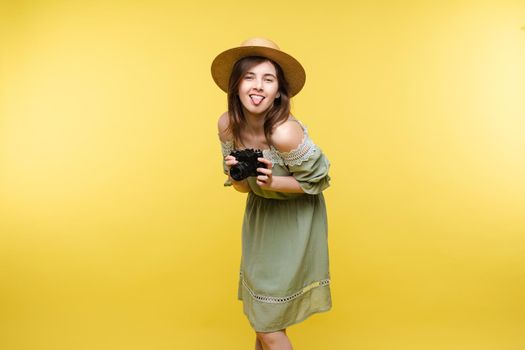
265	180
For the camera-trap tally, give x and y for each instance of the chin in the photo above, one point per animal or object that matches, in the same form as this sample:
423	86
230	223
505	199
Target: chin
260	112
257	111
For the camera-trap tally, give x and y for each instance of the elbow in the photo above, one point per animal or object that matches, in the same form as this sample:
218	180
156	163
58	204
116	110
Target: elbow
315	187
241	189
242	186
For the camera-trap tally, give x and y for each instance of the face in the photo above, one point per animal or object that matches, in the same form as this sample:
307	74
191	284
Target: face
259	88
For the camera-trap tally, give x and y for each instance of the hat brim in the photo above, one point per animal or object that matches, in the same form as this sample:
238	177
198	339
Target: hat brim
222	66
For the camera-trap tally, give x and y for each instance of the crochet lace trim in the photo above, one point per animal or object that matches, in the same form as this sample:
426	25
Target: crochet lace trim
282	300
226	148
295	157
269	154
299	155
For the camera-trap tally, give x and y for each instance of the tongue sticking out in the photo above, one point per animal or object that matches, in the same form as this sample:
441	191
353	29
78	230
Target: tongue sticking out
256	99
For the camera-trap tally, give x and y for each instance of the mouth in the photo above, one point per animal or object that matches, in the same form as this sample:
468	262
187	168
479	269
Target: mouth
256	99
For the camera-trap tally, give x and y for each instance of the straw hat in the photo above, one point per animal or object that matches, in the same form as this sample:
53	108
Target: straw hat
222	65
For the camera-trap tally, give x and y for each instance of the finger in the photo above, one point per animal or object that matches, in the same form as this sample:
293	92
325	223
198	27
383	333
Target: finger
261	183
262	178
264	171
266	161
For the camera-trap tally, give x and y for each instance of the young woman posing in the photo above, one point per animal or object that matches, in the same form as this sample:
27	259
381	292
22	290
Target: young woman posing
284	271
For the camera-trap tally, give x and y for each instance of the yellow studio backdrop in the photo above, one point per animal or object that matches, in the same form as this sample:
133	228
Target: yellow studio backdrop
116	232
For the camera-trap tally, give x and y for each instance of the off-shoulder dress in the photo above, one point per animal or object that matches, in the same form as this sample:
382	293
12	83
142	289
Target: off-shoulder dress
284	271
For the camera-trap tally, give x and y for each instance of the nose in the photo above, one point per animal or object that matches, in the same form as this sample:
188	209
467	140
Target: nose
258	84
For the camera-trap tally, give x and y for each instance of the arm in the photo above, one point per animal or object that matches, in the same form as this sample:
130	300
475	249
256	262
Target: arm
224	136
241	186
286	184
286	137
306	162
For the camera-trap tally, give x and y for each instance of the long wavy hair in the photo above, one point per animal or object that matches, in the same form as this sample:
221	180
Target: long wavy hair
275	115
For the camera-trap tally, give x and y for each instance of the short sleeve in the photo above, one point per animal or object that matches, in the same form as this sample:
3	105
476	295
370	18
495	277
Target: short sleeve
226	148
308	165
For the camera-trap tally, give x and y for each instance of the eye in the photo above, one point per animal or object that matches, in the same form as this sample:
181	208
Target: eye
269	80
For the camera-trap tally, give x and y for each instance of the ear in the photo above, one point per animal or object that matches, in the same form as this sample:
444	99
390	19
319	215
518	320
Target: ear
278	95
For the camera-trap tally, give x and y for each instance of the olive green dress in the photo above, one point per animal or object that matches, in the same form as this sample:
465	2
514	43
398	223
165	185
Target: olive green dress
284	272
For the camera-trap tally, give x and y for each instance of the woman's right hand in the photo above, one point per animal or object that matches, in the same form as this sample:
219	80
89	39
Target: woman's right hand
240	186
230	161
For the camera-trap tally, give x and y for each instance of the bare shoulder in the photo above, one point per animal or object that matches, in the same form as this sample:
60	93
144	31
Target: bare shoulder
287	136
222	126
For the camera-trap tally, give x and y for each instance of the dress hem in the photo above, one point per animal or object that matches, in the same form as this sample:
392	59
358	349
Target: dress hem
291	323
275	326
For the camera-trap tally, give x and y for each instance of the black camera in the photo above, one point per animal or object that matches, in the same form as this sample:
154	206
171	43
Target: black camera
247	163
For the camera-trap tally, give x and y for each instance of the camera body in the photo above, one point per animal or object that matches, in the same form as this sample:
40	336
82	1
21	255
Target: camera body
247	163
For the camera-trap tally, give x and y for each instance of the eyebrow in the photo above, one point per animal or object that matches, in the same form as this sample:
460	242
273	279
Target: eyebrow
266	74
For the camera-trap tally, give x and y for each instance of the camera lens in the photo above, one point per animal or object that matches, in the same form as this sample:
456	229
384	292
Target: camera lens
239	171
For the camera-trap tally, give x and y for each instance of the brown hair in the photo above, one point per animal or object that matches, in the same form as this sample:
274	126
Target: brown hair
277	114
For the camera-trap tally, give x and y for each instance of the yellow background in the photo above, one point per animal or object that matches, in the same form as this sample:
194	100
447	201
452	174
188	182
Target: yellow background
116	232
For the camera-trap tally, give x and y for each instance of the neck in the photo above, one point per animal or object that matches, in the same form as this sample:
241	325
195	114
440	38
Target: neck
254	123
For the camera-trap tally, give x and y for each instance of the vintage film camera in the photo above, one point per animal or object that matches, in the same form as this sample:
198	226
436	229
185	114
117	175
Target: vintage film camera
247	163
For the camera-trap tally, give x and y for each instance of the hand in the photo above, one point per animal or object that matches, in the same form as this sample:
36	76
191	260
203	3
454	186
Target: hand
240	186
265	180
230	161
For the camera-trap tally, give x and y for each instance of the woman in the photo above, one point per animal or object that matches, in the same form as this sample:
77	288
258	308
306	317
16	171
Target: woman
284	272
